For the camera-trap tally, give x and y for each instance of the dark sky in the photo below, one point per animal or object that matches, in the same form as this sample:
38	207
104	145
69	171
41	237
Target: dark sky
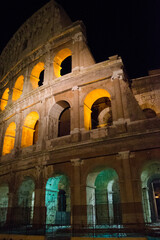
129	28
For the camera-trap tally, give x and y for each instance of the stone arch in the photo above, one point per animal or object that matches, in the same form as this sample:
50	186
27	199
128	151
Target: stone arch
59	119
4	190
18	88
103	196
4	99
58	60
25	201
97	108
57	200
30	129
35	77
150	178
9	138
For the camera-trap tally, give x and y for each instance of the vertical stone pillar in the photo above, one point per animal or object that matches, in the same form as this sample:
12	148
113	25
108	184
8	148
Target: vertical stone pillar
78	209
18	122
119	114
110	207
10	96
48	68
75	132
2	132
131	203
39	217
77	57
146	205
12	201
10	211
27	84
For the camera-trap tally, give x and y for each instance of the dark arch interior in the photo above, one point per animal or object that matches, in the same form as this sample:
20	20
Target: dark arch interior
41	79
66	66
149	113
61	201
99	105
64	123
35	135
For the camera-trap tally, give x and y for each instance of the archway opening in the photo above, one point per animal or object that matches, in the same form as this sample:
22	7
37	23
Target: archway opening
149	113
9	138
18	88
57	200
30	130
103	197
26	196
97	109
37	75
4	190
101	113
62	63
4	99
59	120
151	193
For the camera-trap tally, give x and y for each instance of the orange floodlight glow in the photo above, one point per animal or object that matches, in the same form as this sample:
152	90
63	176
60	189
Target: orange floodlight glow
9	138
88	102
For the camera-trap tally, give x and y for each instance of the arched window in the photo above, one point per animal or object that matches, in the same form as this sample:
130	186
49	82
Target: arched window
101	112
4	99
62	62
37	75
97	109
18	88
30	130
103	197
9	138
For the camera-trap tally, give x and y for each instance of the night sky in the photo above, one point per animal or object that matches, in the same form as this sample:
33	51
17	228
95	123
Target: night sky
130	28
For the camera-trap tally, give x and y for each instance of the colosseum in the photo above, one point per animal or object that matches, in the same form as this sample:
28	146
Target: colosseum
79	142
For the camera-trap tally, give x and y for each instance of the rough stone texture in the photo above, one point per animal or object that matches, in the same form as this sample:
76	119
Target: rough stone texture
127	146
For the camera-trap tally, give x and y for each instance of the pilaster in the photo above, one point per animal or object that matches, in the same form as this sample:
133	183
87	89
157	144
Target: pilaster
130	192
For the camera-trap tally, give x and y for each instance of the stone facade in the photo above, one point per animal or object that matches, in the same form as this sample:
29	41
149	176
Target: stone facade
123	150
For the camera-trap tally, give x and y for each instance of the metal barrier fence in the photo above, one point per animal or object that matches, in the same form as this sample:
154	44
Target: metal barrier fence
87	221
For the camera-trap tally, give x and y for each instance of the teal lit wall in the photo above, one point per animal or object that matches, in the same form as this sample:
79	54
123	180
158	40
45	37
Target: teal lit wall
53	186
3	203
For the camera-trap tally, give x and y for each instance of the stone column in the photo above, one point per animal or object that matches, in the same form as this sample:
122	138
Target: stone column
131	203
78	209
27	84
12	201
2	132
146	205
75	131
91	202
48	68
119	114
77	58
18	122
39	216
10	96
110	207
